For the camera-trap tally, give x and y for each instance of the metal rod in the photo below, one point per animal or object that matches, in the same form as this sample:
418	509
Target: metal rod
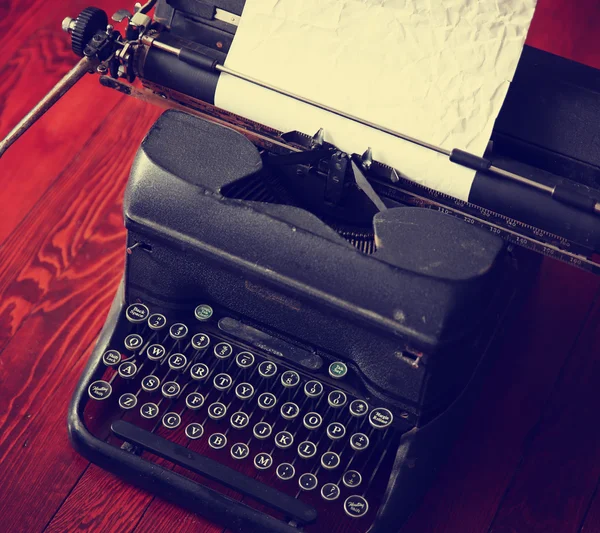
71	78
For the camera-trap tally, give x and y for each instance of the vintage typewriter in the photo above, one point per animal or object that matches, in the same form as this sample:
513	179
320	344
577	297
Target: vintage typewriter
299	331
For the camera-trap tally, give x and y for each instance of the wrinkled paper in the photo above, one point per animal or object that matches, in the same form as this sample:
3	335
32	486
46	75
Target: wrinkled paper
437	70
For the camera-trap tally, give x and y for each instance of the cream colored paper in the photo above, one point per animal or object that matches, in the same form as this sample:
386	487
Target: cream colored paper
437	70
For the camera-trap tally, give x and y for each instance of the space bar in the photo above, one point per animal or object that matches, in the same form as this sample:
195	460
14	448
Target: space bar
213	470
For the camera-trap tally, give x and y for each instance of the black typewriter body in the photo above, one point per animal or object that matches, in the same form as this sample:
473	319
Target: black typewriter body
260	366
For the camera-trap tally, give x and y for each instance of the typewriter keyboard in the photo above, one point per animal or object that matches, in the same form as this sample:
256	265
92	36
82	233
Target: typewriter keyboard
292	437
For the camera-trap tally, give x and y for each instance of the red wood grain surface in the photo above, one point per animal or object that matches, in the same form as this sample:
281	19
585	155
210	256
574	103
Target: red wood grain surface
528	459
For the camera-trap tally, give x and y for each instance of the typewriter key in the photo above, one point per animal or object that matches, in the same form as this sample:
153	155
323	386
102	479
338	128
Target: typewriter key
307	449
223	350
312	420
313	389
262	461
217	410
157	321
150	383
290	379
222	381
358	408
330	492
267	401
338	370
337	398
203	312
286	471
244	359
133	341
284	439
267	369
127	401
239	420
200	341
356	506
217	441
199	371
244	391
137	313
240	451
262	430
308	481
352	478
359	442
177	361
194	400
111	358
149	410
171	420
100	390
330	460
127	369
170	389
336	431
194	431
289	410
178	331
380	418
155	352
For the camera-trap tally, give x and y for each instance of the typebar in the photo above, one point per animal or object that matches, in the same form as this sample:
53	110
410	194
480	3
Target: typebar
211	469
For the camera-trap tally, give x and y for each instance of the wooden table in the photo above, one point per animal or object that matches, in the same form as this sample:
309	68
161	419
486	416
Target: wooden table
528	459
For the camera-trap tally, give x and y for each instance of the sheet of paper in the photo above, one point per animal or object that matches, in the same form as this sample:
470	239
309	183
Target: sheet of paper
437	70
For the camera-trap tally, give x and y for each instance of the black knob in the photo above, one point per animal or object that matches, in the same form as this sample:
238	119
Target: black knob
90	21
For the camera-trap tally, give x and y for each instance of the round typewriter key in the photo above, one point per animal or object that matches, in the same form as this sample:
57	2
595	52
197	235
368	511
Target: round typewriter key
267	401
150	383
262	430
356	506
244	359
127	401
157	321
203	312
133	342
290	378
217	410
194	400
380	418
286	471
358	408
239	420
177	361
194	431
137	313
222	381
336	431
308	481
330	492
267	369
352	478
359	442
284	439
171	420
111	358
330	460
289	410
100	390
170	389
223	350
240	451
127	369
262	461
307	449
199	371
149	410
338	370
312	420
244	391
337	398
217	441
200	341
178	331
155	352
313	389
